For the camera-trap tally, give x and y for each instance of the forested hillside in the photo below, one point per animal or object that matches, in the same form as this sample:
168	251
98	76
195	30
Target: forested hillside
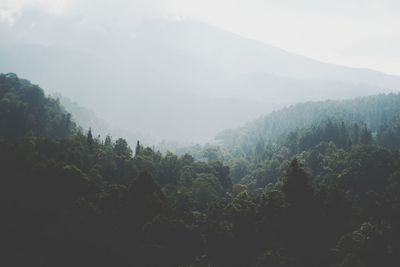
317	184
26	111
374	111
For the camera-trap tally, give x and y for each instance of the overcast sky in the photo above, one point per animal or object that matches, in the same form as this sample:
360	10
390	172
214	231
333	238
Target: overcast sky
359	33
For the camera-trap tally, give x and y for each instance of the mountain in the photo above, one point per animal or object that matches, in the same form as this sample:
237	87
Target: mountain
128	99
87	119
178	80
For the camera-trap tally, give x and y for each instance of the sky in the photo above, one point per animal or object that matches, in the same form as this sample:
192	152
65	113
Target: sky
357	33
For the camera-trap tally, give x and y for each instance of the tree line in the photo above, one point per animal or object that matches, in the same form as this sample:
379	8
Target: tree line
321	194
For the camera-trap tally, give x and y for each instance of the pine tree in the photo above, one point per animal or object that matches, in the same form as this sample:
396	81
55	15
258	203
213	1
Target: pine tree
296	187
138	148
89	139
107	141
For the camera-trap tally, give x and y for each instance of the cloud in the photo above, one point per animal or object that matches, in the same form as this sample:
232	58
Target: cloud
333	31
89	12
11	10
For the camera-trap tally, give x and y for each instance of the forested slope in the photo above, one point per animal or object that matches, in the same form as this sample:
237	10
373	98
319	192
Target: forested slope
374	111
322	193
26	111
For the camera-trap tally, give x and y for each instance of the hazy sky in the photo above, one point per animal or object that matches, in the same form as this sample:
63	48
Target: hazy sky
359	33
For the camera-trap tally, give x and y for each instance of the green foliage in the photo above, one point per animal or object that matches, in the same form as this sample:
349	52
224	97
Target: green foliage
374	111
366	246
368	168
389	134
297	186
311	190
26	111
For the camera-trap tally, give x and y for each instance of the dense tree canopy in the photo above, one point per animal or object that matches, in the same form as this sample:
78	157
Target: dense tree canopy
321	193
26	111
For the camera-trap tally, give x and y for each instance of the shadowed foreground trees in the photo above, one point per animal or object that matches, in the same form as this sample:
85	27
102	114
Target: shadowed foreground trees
326	195
62	206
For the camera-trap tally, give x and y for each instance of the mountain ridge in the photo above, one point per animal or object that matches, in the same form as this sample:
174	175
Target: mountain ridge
156	66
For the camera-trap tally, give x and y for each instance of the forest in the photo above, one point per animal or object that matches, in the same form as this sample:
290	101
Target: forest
315	184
